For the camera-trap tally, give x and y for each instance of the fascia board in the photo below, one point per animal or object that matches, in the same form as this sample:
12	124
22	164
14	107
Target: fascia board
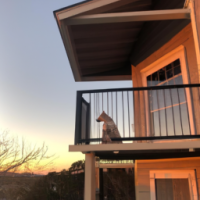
83	8
153	15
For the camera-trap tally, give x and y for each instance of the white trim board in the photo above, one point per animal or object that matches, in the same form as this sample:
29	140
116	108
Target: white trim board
130	16
135	146
174	174
87	6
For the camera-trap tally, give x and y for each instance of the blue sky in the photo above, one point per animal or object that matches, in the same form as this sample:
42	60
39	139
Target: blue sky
37	88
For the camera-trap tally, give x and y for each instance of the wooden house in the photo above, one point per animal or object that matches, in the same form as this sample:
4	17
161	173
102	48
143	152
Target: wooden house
156	44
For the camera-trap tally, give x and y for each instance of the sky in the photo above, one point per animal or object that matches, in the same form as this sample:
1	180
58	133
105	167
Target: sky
37	88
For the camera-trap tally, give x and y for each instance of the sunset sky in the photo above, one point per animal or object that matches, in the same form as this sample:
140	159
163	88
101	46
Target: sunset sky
37	88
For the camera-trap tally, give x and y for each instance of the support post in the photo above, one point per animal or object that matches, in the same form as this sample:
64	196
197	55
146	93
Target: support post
90	186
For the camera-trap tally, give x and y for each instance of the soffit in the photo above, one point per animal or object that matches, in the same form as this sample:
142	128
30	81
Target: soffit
106	51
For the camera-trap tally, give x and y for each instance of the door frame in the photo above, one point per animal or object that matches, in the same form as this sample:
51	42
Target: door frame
174	174
178	53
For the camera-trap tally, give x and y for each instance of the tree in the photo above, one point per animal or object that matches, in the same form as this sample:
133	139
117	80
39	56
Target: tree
63	185
77	166
18	155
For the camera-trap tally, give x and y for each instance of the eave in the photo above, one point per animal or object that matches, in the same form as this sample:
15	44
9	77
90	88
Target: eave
104	38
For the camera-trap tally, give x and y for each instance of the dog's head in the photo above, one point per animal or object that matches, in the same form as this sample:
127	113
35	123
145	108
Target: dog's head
103	118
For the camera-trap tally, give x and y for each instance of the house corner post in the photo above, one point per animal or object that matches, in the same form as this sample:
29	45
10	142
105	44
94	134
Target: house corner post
194	6
90	190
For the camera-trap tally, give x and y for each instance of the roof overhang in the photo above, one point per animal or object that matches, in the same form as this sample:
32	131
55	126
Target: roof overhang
103	38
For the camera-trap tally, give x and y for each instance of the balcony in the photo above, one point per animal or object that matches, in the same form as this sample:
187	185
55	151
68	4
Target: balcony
147	114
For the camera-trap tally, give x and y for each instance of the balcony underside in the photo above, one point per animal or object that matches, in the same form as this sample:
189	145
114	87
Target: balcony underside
136	151
145	154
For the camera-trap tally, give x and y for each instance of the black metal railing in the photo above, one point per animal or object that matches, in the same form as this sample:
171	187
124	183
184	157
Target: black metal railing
146	113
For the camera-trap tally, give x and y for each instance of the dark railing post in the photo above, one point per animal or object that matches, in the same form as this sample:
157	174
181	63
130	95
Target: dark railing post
101	184
78	117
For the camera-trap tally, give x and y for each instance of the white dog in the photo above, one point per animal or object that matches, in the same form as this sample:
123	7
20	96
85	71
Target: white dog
110	130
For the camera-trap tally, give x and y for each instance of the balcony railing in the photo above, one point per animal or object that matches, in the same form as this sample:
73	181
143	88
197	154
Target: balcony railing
146	113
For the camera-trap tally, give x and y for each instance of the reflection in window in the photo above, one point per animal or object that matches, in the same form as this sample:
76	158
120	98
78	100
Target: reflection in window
168	107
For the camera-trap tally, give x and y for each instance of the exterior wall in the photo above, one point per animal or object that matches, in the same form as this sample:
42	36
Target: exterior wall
197	12
185	38
143	167
196	27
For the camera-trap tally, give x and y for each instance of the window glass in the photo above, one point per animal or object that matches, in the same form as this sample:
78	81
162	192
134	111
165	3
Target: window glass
169	74
149	80
177	70
177	62
162	75
154	78
168	108
169	67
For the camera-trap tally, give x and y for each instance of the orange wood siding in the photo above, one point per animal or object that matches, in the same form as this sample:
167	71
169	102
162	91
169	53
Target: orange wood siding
185	38
197	12
144	167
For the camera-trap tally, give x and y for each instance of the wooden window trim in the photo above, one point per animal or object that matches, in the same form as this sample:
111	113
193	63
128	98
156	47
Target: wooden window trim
174	174
178	53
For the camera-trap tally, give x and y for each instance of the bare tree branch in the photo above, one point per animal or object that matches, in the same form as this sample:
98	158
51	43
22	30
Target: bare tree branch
21	156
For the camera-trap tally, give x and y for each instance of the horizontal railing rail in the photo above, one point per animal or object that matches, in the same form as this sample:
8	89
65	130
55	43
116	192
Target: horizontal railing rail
139	88
133	114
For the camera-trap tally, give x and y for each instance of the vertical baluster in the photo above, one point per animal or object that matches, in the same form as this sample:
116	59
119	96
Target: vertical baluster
123	113
187	109
165	112
96	113
133	112
158	111
172	110
128	114
152	126
107	104
198	93
99	115
94	117
90	116
112	103
145	121
116	111
102	101
180	113
198	88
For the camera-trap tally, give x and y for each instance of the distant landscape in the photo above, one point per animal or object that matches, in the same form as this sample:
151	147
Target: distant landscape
14	186
65	185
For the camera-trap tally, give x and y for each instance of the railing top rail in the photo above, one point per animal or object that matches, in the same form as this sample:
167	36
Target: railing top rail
139	88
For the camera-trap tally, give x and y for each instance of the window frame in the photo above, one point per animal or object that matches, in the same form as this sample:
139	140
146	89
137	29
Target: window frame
178	53
173	174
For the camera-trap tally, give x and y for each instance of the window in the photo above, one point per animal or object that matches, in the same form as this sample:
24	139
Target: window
168	108
169	111
173	184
